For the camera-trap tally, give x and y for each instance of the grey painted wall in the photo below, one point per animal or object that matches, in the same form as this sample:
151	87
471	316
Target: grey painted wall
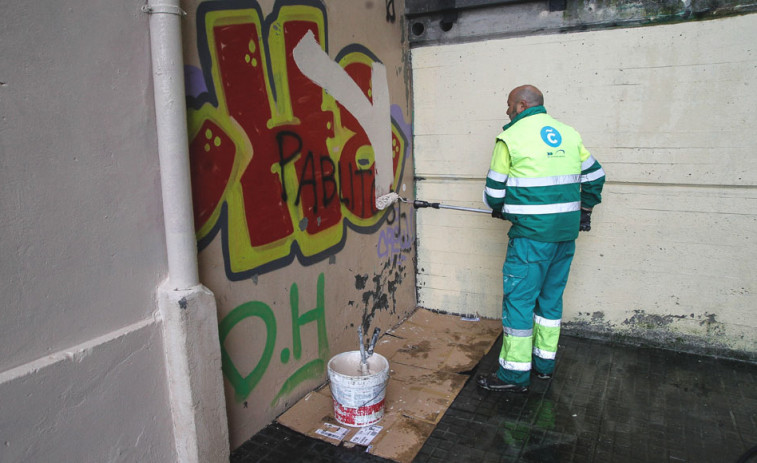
81	249
81	241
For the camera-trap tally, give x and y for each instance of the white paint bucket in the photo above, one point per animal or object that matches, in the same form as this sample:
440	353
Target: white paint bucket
358	394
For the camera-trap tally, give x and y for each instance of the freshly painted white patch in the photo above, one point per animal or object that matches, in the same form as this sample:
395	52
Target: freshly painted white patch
375	118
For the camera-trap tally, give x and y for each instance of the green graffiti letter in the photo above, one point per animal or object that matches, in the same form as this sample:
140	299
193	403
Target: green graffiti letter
314	368
243	385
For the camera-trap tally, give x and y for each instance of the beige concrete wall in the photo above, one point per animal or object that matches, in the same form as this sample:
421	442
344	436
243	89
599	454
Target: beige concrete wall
82	374
669	112
283	172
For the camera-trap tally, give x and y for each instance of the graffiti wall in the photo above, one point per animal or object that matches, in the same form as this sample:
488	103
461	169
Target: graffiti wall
298	120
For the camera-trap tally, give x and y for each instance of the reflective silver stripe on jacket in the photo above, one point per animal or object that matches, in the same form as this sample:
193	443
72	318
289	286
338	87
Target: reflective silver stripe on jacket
483	198
588	163
591	176
495	193
544	181
496	176
537	209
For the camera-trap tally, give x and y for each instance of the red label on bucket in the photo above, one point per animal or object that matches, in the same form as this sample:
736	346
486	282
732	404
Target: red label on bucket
361	416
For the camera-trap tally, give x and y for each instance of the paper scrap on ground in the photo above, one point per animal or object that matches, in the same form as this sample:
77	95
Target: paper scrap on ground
366	435
333	432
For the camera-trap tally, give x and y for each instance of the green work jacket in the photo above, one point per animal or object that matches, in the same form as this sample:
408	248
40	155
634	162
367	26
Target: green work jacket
540	176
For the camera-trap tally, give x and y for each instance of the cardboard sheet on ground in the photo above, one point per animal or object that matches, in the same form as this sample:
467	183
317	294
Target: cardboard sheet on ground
430	355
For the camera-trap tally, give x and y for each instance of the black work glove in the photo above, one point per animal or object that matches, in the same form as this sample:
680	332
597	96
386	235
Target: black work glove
585	220
497	214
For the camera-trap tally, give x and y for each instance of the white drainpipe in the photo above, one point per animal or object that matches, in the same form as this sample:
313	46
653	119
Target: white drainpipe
173	141
188	309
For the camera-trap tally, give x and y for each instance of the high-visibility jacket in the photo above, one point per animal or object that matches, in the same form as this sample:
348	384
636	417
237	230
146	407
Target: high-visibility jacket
540	176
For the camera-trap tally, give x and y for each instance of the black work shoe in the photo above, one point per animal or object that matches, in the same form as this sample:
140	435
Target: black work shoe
543	375
491	382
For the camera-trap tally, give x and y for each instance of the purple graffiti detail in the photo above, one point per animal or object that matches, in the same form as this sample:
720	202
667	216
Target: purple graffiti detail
404	127
397	237
194	82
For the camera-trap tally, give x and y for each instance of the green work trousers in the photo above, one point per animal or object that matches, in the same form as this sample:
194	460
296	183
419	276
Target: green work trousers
533	279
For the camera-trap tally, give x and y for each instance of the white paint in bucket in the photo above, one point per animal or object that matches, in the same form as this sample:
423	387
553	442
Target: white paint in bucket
358	395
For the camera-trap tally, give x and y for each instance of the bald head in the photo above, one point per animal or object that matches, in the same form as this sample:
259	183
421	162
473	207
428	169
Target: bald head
522	98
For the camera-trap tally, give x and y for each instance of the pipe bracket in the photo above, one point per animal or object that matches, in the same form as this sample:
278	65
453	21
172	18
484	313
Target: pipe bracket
163	9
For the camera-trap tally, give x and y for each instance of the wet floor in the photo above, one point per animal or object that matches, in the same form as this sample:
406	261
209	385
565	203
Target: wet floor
605	403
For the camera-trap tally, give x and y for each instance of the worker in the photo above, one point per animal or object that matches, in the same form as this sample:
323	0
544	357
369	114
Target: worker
545	183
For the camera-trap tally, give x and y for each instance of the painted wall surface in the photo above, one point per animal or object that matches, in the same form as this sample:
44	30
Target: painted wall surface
103	400
298	120
669	112
82	249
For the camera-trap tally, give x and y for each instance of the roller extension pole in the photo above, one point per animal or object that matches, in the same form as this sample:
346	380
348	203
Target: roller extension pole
418	204
382	202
